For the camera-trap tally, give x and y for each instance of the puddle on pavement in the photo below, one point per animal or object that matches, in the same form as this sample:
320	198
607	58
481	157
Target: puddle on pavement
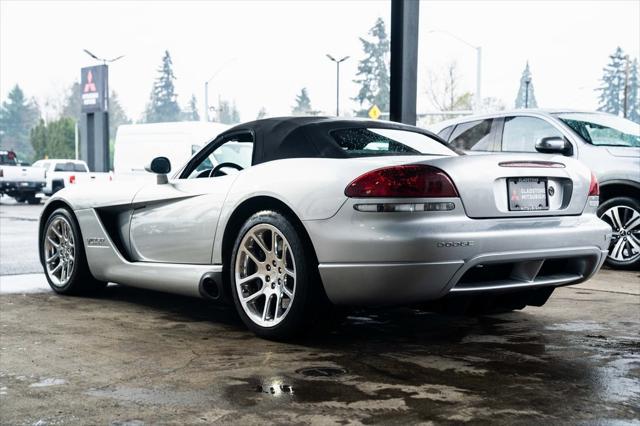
322	371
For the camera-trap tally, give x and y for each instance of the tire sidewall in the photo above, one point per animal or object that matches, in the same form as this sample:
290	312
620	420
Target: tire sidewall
298	316
627	202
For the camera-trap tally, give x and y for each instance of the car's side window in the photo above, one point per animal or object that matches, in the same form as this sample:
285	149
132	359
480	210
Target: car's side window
236	151
446	132
473	136
520	134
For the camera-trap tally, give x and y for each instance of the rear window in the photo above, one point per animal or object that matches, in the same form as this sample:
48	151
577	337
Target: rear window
8	158
79	167
64	167
370	142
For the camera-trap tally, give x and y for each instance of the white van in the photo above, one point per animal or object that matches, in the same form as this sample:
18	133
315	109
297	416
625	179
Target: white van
138	144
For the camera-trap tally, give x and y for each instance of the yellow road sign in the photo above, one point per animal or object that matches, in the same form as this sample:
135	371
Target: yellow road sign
374	112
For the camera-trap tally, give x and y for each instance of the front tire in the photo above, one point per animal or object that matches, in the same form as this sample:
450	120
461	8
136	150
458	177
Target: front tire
623	215
272	278
63	256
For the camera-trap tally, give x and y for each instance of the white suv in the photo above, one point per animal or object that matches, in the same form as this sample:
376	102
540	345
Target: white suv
608	144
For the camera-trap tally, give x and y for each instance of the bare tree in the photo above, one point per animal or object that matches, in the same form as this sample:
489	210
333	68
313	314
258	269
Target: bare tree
444	92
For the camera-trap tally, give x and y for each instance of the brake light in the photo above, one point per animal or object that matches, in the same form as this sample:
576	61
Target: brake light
1	173
412	180
594	188
72	179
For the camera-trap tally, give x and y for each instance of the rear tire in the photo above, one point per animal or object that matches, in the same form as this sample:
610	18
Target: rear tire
623	215
63	256
283	296
33	200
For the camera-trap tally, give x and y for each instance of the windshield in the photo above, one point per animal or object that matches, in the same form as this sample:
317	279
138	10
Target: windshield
361	142
603	129
8	158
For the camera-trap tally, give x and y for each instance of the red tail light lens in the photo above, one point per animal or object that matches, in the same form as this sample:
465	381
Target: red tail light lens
72	179
413	180
594	188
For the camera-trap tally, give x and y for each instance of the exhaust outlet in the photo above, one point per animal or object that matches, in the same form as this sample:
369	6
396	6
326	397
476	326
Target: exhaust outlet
210	286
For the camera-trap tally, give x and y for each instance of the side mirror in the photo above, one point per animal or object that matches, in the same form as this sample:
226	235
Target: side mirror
161	166
554	145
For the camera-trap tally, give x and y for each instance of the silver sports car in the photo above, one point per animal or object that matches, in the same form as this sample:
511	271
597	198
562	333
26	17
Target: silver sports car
288	217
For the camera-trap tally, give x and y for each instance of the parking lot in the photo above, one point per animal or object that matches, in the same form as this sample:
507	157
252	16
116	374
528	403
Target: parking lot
134	357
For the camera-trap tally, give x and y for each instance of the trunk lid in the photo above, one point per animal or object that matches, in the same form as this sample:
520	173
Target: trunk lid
505	185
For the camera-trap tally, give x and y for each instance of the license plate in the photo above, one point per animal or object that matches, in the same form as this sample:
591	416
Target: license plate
24	183
527	194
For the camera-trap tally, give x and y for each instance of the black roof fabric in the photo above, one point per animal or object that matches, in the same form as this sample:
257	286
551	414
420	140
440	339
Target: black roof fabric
306	137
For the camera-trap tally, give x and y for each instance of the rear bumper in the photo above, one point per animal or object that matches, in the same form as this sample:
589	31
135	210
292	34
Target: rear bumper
20	187
395	258
396	283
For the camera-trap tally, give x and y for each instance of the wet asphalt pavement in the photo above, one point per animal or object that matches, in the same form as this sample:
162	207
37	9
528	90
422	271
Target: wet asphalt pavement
135	357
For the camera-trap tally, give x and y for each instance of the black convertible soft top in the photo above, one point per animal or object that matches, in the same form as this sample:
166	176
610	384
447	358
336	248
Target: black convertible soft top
306	137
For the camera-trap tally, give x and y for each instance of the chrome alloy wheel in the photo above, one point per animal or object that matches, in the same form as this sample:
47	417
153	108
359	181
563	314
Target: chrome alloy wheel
625	243
265	275
59	251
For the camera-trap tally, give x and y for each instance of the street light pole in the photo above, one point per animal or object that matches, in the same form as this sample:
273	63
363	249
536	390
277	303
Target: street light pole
625	105
206	88
478	95
478	77
206	101
337	80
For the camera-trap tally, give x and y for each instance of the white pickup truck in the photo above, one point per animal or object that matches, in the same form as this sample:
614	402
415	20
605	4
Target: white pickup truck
60	173
23	183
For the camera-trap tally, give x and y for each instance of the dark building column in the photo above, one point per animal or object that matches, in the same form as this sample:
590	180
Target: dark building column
404	60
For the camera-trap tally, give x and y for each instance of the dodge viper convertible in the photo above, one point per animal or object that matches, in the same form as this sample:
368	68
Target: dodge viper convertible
285	217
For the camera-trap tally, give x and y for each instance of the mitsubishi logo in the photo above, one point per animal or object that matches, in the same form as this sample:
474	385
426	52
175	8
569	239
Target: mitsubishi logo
90	86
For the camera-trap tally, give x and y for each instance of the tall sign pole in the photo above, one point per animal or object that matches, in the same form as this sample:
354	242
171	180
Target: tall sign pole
94	125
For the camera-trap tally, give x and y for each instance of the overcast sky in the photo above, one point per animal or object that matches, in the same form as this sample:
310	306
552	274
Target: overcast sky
267	51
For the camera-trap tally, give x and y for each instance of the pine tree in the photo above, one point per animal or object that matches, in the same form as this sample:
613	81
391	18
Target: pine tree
633	93
117	115
303	103
191	113
524	99
612	89
373	71
17	117
55	139
73	103
163	105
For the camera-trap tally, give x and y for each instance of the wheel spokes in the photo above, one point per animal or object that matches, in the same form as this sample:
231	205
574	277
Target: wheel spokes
258	240
59	251
633	221
265	257
634	242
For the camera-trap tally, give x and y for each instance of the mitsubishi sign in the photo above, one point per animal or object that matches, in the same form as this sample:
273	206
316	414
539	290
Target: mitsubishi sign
95	96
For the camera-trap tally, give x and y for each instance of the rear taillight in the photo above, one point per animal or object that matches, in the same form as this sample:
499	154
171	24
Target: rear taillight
72	179
412	180
1	173
594	188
